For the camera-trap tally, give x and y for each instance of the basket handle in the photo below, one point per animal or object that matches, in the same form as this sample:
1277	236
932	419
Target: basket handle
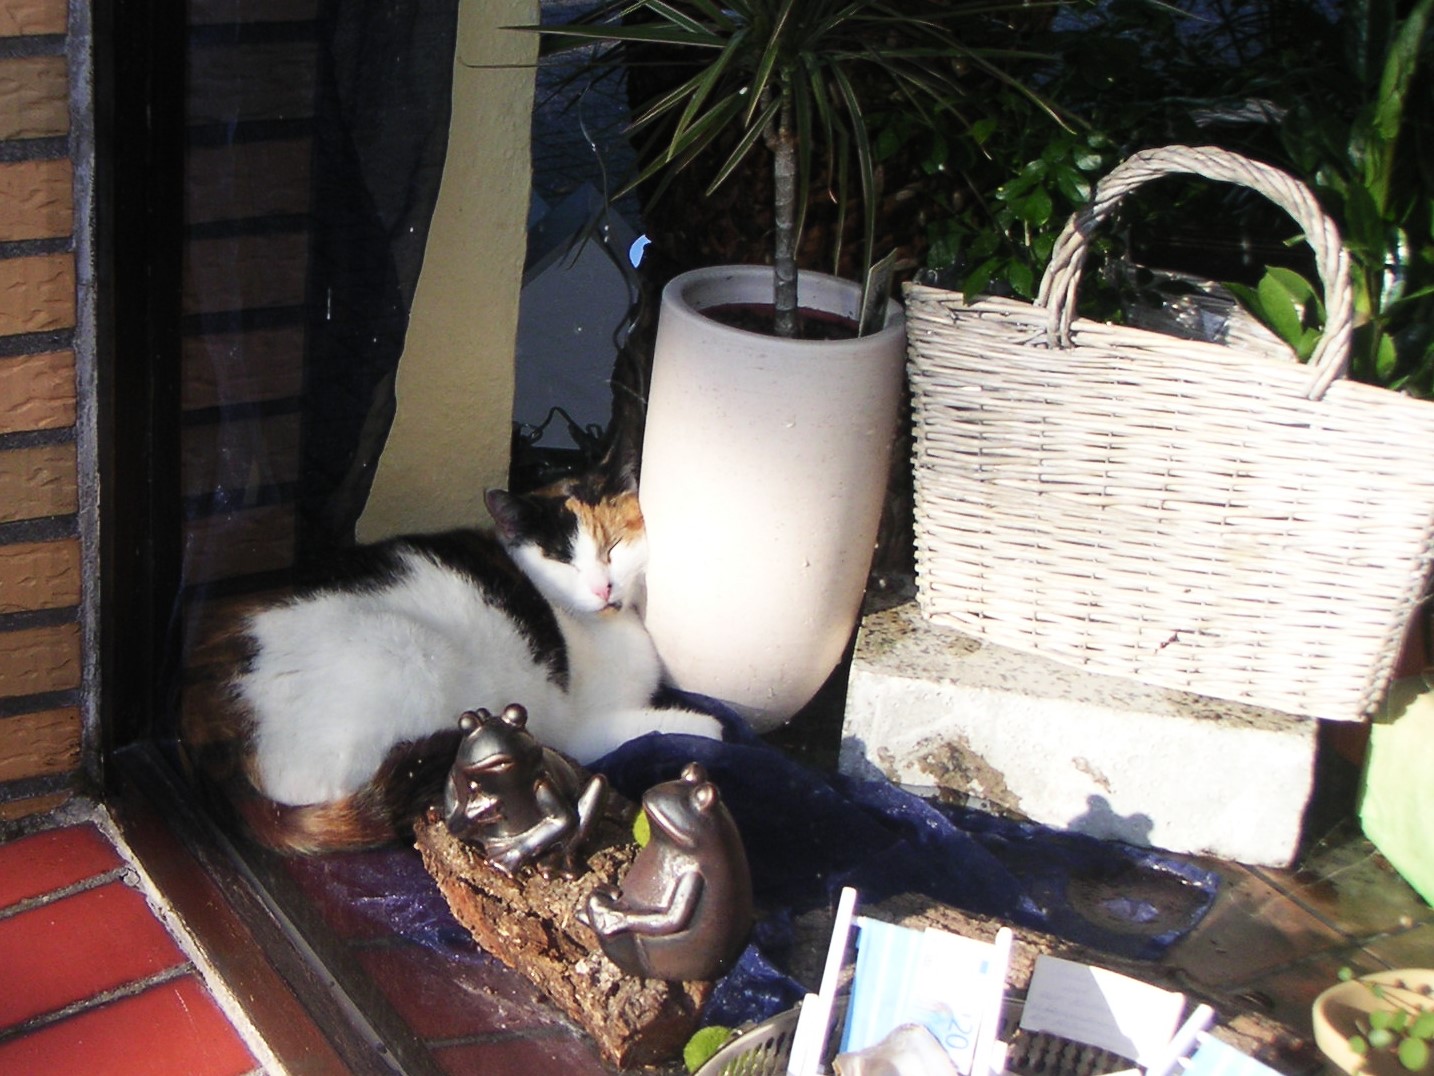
1330	359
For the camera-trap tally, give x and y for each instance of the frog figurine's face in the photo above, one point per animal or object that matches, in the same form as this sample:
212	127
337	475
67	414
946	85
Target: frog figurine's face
490	789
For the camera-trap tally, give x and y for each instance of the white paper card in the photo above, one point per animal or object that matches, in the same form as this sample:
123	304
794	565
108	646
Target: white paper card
1101	1008
948	996
930	977
1215	1058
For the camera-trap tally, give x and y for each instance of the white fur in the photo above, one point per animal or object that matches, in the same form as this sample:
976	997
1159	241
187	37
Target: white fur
340	678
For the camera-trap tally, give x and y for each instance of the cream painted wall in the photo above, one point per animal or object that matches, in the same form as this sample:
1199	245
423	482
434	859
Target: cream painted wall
450	438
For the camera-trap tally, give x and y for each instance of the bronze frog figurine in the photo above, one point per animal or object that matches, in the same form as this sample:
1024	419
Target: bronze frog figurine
520	802
685	907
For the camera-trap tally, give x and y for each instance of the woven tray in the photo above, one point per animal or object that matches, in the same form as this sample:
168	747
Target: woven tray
764	1050
1198	516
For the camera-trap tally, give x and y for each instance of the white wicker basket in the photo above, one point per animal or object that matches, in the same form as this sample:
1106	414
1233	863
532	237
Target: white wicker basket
1193	515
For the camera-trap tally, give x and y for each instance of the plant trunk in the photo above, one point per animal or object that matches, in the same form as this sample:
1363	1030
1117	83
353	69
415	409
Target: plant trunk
783	144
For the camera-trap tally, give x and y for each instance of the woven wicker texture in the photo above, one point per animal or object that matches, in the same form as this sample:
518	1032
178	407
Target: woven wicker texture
1195	515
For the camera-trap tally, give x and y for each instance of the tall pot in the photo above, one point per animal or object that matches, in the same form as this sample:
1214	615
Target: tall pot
764	468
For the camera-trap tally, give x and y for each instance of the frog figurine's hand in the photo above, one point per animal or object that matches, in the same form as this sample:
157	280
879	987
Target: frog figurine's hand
482	808
508	854
600	912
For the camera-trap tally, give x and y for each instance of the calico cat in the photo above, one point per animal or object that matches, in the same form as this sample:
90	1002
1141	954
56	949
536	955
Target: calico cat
350	693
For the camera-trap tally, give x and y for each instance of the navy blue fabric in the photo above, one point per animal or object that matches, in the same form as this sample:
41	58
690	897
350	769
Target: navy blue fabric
809	834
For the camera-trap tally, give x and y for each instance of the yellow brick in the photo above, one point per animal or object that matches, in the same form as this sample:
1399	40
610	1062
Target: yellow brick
37	660
273	80
11	810
38	481
39	575
270	455
240	543
21	17
36	200
247	179
37	392
244	272
200	12
228	368
37	294
39	745
34	97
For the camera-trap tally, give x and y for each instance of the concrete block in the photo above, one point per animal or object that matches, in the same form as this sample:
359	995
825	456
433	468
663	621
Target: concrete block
944	713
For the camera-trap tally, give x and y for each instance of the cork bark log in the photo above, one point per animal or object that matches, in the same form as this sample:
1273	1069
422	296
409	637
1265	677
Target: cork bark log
530	923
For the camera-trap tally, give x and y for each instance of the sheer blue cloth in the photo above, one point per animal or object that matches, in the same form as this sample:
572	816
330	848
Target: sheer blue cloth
808	834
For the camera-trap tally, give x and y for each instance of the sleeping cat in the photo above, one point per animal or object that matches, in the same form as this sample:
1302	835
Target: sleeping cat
351	692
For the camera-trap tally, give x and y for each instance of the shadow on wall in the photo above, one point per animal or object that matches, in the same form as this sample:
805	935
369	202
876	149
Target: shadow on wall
1101	820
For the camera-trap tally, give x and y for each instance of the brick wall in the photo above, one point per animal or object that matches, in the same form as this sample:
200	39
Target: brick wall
249	140
42	585
250	184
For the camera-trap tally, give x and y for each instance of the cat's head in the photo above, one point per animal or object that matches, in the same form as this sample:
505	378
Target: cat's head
580	540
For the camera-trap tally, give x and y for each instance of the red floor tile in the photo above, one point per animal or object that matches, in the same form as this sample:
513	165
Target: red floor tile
42	862
527	1056
172	1028
60	953
452	998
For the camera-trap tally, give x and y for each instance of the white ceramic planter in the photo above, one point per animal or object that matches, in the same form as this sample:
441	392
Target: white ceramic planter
764	469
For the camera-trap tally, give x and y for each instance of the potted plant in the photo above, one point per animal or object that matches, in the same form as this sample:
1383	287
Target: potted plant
1382	1024
766	455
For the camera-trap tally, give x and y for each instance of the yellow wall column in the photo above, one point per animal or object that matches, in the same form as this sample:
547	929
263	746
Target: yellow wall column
450	438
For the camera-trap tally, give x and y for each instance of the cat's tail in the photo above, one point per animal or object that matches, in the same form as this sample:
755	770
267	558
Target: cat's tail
409	781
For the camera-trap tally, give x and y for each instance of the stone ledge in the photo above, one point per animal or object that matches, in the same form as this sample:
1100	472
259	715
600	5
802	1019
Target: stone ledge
939	711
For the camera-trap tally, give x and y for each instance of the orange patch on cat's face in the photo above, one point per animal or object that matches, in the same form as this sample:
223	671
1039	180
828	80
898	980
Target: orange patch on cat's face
611	521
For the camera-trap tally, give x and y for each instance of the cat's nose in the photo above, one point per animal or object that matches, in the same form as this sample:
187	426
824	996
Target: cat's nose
603	590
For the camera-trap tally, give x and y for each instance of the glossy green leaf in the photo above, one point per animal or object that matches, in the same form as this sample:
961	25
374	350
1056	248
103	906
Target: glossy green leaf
1074	187
1280	310
703	1044
1398	72
1029	176
979	278
1022	280
1035	208
1385	357
1299	289
984	245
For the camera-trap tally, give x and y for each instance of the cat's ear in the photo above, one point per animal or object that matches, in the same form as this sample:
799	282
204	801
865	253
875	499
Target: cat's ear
507	512
620	463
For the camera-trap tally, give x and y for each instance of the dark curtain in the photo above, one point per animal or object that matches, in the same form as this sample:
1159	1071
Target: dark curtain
381	132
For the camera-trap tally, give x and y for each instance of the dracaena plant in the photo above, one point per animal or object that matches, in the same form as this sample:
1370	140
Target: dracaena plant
797	79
